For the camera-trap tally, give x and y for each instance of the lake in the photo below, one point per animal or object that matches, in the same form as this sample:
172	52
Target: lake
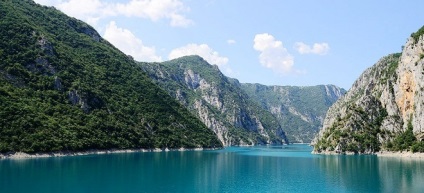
235	169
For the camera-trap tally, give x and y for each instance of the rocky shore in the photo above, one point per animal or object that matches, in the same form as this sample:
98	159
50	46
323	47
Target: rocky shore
332	153
22	155
403	154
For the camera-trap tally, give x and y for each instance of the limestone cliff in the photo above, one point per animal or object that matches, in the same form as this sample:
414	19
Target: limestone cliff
217	101
240	113
383	101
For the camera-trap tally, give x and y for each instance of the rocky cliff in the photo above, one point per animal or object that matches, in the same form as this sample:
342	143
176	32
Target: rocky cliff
300	110
217	100
242	114
384	108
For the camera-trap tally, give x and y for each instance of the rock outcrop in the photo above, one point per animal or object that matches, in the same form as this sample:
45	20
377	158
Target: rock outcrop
244	114
381	103
218	101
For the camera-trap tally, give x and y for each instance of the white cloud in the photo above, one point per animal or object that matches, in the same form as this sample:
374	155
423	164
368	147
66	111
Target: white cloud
87	10
48	2
231	41
91	11
156	9
273	55
317	48
203	50
126	41
180	21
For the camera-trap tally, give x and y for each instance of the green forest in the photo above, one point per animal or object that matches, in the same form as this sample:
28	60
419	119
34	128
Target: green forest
64	88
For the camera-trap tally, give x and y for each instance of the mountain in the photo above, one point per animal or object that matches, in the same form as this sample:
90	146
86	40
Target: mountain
64	88
300	110
217	100
384	108
239	113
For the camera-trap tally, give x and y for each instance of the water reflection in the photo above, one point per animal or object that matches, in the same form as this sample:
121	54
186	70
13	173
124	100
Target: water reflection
401	175
242	169
373	174
351	173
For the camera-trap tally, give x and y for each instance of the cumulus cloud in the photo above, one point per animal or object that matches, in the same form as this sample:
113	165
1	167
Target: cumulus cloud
88	10
126	41
48	2
231	41
203	50
155	10
93	10
317	48
273	54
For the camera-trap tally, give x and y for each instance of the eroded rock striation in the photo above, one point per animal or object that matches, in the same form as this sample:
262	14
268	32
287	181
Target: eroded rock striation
217	101
244	114
383	103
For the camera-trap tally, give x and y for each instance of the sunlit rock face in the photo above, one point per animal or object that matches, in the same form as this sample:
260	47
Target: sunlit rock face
218	101
379	106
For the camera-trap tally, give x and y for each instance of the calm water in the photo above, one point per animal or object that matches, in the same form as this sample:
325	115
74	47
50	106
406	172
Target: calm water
236	169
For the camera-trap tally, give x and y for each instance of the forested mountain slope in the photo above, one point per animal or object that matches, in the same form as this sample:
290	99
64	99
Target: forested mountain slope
64	88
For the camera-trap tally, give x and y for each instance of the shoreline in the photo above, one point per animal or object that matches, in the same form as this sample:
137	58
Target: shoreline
335	153
391	154
22	155
398	154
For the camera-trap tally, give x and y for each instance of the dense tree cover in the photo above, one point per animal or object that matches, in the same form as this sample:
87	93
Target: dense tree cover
62	87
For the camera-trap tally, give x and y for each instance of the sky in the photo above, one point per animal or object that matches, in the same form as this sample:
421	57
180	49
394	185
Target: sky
271	42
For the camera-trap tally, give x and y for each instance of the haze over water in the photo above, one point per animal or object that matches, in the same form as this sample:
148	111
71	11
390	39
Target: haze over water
236	169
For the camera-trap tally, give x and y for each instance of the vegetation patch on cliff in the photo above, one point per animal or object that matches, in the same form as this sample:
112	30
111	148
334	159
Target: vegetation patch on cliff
405	141
416	35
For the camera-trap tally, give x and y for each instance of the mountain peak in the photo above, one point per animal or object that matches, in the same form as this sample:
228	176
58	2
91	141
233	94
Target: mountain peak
190	58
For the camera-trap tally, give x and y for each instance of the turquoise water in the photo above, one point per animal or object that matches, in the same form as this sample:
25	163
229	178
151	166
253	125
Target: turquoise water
236	169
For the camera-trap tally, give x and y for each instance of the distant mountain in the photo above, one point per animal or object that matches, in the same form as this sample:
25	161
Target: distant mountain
300	110
217	100
383	110
242	114
64	88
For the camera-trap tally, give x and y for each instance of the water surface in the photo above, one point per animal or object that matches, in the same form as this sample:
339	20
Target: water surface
236	169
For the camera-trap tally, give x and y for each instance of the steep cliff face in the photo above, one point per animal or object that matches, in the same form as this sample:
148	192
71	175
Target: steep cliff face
241	113
300	110
217	100
409	87
383	103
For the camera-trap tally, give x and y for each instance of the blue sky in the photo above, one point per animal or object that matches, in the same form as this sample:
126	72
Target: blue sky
272	42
